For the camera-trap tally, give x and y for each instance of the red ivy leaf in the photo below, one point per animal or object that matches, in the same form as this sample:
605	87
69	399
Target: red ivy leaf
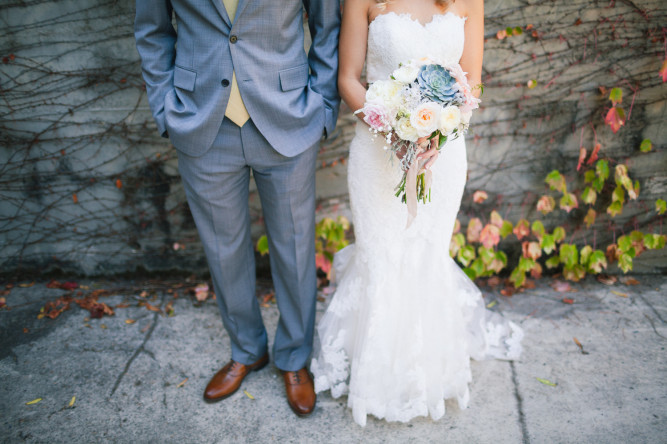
594	154
615	118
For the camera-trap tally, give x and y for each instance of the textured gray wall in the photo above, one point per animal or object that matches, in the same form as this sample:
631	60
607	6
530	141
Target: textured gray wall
87	185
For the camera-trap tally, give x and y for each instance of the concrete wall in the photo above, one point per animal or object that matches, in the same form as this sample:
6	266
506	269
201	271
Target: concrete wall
87	185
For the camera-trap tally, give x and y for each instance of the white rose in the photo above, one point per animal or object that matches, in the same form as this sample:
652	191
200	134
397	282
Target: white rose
450	118
406	73
386	92
405	130
426	118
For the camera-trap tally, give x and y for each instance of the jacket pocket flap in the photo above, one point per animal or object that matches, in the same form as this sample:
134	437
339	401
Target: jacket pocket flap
294	78
184	78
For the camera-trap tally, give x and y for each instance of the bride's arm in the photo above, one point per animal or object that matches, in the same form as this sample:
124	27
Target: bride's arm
352	52
473	49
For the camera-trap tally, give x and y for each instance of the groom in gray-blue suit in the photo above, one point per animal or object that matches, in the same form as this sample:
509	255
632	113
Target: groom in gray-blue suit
233	89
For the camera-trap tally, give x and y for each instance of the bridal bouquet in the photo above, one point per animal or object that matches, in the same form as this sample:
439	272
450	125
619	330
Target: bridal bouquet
422	102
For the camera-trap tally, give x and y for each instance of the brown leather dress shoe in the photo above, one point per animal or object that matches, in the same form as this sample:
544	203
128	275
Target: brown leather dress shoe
300	391
229	378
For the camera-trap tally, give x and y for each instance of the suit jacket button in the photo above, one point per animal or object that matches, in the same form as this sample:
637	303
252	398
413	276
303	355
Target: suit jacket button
225	82
233	39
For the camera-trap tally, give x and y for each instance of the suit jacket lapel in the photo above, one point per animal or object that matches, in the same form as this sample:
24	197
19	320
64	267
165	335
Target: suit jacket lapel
242	5
222	11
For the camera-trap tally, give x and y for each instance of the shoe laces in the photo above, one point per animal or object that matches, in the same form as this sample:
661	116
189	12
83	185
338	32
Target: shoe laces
296	377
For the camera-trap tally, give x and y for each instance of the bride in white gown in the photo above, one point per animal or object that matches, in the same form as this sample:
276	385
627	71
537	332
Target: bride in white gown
404	321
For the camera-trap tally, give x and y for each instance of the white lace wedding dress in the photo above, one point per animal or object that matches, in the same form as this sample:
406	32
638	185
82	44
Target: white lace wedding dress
404	321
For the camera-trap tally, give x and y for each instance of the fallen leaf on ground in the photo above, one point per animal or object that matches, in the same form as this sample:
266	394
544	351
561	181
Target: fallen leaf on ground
248	394
27	285
130	321
508	291
153	308
182	383
547	382
607	280
25	330
34	401
491	304
562	287
629	281
123	305
201	292
3	302
568	301
581	347
71	403
618	293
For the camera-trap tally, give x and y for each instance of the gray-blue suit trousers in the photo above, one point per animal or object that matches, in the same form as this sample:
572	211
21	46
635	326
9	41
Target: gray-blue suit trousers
217	187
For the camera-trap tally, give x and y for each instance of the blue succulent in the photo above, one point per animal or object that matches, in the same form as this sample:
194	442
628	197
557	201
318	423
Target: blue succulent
437	84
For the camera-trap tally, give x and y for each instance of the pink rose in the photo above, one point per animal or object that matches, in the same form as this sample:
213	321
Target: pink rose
376	116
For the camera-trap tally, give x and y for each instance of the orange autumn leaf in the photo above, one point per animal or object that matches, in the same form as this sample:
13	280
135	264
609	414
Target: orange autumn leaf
489	236
74	198
119	184
522	229
594	154
582	157
479	196
474	229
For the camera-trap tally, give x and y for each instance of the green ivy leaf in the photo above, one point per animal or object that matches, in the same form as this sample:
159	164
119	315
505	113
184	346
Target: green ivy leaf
646	146
624	243
478	267
598	184
660	206
569	256
556	181
589	176
470	273
589	196
466	255
625	262
518	277
526	264
568	202
615	208
616	96
506	229
575	273
585	254
262	245
486	254
548	243
597	262
552	262
618	195
559	234
589	219
602	169
538	229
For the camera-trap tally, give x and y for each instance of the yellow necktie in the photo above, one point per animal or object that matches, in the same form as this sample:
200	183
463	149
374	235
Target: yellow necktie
236	110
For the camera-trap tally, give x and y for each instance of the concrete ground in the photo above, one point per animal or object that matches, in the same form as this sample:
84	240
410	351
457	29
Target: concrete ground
138	376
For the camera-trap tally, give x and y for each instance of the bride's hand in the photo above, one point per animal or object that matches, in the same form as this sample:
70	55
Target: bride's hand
431	154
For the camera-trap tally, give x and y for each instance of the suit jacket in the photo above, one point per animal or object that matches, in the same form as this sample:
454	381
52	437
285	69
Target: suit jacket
291	96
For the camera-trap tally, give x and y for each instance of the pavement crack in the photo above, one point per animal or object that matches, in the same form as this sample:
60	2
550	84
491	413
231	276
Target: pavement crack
135	354
653	325
519	406
652	309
